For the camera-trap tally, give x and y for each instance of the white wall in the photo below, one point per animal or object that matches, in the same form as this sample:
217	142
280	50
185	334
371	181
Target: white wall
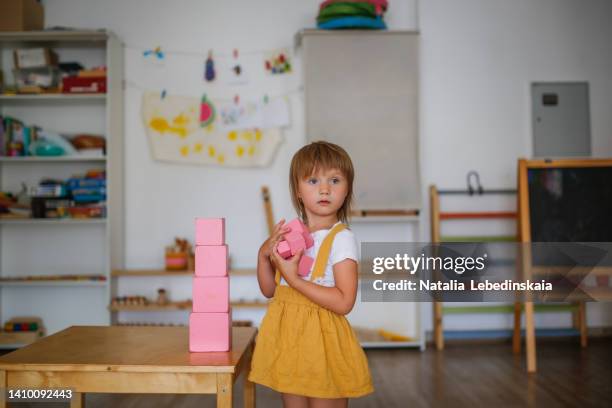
478	59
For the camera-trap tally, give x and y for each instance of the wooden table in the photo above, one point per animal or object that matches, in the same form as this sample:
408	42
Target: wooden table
134	360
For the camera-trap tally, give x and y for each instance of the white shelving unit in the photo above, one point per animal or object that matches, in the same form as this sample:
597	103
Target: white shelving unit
64	246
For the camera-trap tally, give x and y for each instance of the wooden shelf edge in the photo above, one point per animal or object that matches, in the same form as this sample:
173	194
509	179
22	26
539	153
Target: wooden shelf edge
164	272
187	305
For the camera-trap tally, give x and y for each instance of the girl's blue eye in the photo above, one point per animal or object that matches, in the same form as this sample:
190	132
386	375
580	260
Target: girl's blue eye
335	180
312	181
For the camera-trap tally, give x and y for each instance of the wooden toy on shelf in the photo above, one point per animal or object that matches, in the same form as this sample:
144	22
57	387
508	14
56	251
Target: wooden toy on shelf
178	255
162	297
22	330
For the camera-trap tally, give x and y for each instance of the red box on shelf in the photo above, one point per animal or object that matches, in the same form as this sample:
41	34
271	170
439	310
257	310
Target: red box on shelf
75	84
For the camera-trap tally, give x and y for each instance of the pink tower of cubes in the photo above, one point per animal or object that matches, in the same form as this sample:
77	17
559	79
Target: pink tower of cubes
210	323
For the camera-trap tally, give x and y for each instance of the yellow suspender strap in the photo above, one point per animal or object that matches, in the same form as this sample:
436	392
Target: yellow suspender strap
322	255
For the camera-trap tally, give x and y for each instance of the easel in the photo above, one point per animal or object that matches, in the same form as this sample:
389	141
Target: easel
525	237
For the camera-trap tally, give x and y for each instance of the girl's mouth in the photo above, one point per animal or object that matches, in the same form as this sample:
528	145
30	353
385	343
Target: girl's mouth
323	202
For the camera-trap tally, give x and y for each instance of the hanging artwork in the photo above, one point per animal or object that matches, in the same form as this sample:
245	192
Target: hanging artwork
209	68
173	127
278	62
232	70
155	52
269	113
207	112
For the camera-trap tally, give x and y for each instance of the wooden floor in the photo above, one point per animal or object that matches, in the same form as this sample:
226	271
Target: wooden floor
465	375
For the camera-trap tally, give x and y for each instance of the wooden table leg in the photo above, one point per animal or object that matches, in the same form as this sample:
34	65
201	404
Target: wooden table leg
3	389
224	390
78	400
530	338
249	387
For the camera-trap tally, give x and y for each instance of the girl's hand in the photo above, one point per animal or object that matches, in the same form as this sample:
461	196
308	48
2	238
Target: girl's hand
265	251
288	267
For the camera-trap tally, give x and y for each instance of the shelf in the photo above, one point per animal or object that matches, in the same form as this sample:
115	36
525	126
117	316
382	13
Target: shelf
152	307
106	234
383	219
52	97
45	221
56	280
59	159
163	272
55	35
185	305
60	283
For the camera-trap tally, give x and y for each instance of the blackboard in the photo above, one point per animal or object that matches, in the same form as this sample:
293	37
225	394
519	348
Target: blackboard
570	204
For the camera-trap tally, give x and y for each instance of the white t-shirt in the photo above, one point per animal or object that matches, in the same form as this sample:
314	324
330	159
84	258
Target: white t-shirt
344	247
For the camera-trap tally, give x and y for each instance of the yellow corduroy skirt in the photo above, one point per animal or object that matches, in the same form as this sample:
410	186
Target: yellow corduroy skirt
305	349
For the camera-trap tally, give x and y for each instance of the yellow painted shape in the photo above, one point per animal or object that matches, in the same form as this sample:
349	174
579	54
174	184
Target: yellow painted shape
211	151
161	125
239	151
251	150
221	159
210	128
247	135
184	151
180	120
233	135
258	135
197	148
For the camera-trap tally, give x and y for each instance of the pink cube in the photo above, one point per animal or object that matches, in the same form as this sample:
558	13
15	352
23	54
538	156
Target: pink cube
210	231
283	249
211	260
296	241
210	294
210	331
308	239
298	226
305	265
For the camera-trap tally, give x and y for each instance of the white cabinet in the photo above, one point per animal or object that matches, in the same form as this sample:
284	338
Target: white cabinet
52	247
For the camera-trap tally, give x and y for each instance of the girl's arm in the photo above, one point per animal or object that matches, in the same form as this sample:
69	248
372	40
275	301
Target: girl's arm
339	299
265	268
265	275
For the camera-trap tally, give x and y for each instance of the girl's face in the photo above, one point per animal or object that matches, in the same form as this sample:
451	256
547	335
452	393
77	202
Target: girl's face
323	192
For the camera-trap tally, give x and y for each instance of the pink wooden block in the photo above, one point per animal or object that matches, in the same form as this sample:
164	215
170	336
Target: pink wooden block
210	231
297	226
308	239
283	249
210	294
210	331
211	260
305	265
296	241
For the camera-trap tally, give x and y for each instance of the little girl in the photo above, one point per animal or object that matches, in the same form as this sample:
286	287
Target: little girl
306	348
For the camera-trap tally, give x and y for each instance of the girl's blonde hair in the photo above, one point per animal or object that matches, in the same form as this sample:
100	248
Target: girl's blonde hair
316	156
